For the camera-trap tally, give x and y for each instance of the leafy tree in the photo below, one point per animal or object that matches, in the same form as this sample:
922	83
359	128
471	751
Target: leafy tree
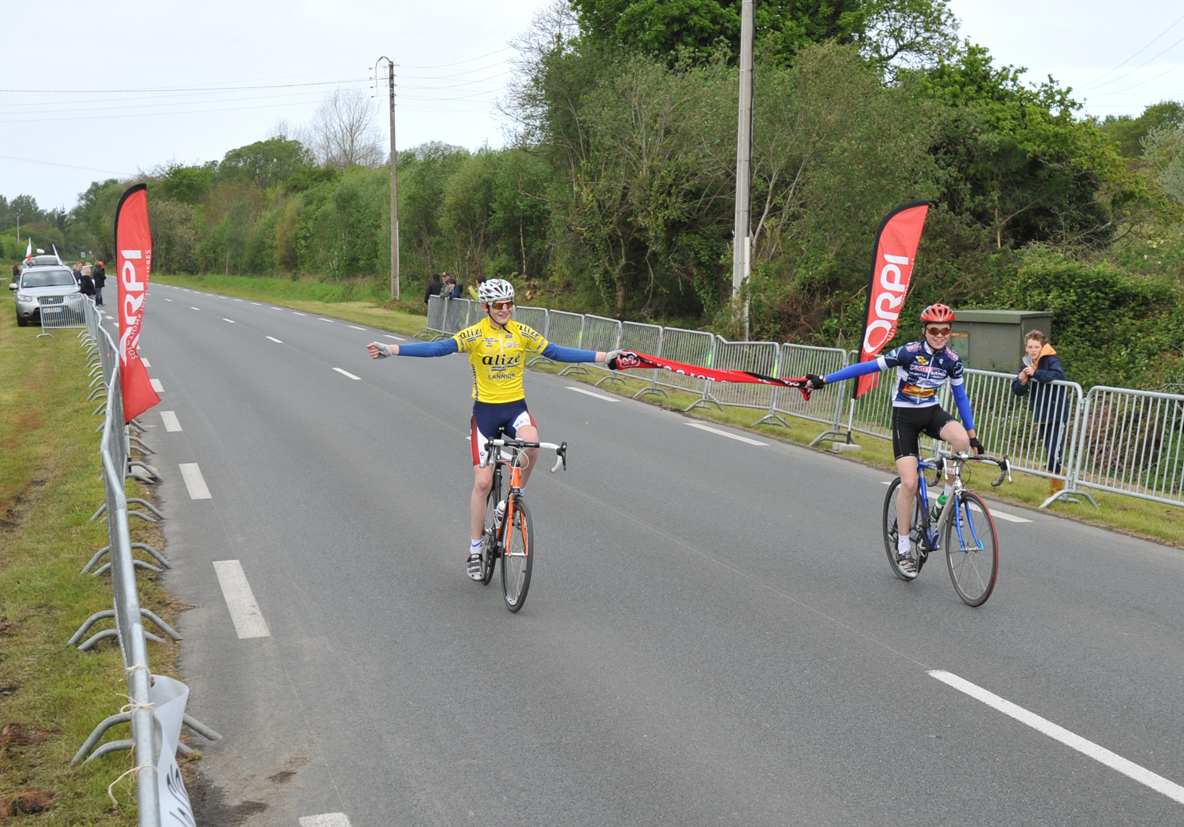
1128	132
681	30
266	163
187	184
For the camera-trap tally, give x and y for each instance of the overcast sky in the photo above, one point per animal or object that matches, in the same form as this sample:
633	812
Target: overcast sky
76	100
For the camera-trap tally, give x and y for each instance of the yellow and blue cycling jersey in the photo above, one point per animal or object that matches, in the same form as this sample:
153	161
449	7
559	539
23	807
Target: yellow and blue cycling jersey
497	356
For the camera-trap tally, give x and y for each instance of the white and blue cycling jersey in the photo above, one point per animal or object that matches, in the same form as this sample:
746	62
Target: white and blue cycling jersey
920	373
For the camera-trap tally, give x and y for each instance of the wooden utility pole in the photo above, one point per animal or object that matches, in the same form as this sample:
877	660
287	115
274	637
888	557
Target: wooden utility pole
741	241
390	65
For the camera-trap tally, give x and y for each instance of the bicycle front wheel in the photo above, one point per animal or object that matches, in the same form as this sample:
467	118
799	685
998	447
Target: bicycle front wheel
518	555
972	549
891	533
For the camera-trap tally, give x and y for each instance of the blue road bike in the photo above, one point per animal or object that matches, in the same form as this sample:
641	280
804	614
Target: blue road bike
964	528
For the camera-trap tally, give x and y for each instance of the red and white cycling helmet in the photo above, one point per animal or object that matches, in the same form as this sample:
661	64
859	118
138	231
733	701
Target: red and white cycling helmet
937	313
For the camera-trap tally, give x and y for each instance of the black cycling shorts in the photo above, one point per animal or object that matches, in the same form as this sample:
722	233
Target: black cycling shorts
909	423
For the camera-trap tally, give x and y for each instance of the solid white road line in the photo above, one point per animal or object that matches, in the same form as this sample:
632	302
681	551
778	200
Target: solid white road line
326	820
156	386
1089	748
347	373
274	339
171	423
244	611
593	393
194	481
1011	518
232	321
736	437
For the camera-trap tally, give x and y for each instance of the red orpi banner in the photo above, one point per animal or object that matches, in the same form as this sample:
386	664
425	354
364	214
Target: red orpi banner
892	268
133	263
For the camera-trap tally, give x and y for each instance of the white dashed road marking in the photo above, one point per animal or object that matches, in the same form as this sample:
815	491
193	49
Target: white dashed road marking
191	307
326	820
330	321
145	361
1088	748
156	386
396	338
347	373
244	611
736	437
294	313
171	423
355	327
194	481
1011	518
232	321
274	339
593	393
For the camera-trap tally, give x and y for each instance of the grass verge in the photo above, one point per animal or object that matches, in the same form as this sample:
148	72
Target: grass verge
1141	518
51	696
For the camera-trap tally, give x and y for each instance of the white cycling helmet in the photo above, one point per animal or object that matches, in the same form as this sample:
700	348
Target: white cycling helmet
495	290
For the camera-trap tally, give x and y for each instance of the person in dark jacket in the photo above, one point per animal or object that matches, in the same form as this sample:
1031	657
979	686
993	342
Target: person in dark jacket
1049	403
434	287
86	285
99	276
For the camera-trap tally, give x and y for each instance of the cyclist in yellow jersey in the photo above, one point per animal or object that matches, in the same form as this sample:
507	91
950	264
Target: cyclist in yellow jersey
497	347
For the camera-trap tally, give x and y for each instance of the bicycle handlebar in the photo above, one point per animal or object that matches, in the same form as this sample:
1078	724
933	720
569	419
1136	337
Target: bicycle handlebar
560	450
1003	464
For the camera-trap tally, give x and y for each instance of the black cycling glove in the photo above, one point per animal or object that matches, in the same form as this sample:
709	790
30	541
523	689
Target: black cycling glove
815	381
977	446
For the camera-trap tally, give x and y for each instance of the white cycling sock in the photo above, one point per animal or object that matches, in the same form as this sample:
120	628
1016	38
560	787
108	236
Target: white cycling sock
902	544
475	546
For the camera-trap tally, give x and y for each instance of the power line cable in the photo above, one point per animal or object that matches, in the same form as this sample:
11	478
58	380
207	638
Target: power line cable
1141	65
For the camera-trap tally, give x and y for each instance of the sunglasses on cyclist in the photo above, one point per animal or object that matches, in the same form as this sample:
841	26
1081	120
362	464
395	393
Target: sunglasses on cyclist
938	331
501	305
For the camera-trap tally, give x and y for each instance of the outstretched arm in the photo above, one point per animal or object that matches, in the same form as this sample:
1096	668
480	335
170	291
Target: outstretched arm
850	372
558	353
381	350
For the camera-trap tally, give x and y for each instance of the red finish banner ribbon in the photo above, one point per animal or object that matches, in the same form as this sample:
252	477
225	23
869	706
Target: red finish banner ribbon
892	268
133	262
641	361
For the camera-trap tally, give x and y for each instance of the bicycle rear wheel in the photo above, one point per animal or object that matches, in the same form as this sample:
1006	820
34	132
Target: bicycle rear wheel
518	555
891	534
489	548
972	549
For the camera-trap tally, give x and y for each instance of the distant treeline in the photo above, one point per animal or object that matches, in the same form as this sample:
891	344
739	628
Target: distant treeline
617	196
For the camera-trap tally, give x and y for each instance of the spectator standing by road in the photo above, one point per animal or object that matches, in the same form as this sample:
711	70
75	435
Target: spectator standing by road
1049	403
451	289
86	283
99	276
434	287
16	271
77	273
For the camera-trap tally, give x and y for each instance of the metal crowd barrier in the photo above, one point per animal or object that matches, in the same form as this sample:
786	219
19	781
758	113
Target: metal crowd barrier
1008	425
825	405
1130	443
564	329
434	327
693	347
533	317
62	312
754	357
128	615
599	334
643	338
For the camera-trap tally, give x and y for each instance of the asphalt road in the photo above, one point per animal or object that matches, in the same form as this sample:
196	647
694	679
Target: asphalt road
712	636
